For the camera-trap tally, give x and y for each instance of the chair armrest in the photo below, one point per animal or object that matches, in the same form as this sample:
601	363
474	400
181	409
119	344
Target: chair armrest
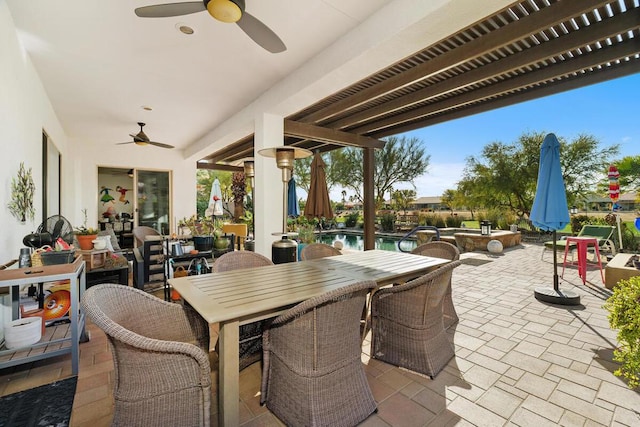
149	367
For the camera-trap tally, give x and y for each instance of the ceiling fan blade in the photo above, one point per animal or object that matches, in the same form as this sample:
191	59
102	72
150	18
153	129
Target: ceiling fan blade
260	33
160	144
122	143
170	9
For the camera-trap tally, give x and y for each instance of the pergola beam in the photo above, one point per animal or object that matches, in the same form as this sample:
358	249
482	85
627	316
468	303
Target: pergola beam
622	70
332	136
220	167
505	88
531	24
530	58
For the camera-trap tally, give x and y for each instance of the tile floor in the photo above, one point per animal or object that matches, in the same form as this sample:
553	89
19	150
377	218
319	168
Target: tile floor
518	362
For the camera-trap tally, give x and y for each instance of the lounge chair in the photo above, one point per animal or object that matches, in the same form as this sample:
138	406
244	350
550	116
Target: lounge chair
601	232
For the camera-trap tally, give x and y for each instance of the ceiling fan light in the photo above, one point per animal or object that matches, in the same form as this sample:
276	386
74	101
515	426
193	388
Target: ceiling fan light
224	10
143	143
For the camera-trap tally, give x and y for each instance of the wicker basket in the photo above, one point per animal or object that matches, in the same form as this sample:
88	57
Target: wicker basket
36	256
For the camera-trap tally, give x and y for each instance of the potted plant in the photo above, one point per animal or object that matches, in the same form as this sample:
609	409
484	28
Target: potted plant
204	231
624	315
85	235
306	235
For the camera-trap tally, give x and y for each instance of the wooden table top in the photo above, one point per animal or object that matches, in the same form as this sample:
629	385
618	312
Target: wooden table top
248	292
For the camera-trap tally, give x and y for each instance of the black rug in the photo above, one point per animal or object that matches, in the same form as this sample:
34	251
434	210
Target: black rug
47	405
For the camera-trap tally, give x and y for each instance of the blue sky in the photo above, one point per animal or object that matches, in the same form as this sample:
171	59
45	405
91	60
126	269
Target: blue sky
608	111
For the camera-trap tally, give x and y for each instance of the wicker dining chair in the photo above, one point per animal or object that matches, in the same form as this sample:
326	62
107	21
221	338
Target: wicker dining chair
312	373
407	323
440	249
140	233
160	357
251	333
318	250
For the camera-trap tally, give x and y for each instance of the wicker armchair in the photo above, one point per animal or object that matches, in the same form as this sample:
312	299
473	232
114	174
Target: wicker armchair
407	323
312	373
160	356
251	333
318	250
440	249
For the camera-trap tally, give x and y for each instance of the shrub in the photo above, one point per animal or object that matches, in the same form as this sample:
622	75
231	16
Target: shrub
388	221
453	221
351	219
624	315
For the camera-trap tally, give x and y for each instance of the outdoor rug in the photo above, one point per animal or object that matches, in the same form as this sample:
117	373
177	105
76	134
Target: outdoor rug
474	261
47	405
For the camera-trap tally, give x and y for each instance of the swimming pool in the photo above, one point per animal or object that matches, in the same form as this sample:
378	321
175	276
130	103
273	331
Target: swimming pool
356	243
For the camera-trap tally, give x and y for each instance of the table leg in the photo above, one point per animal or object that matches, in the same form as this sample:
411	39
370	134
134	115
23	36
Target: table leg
597	250
582	261
564	261
228	374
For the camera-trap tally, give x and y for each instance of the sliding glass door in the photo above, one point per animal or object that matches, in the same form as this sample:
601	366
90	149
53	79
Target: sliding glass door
154	199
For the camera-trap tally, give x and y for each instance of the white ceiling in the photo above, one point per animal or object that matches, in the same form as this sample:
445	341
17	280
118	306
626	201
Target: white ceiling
100	63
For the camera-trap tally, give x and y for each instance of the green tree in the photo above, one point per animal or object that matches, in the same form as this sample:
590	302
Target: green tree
448	199
402	199
504	176
401	160
302	170
629	168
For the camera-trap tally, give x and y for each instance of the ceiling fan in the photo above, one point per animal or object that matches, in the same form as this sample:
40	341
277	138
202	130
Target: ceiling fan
223	10
142	139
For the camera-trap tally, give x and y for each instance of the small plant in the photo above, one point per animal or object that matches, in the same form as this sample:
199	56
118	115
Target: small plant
306	233
202	226
624	315
84	230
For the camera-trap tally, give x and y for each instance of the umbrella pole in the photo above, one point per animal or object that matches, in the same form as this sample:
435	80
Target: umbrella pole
556	285
555	295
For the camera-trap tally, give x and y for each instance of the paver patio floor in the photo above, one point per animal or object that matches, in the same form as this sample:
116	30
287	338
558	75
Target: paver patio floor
519	362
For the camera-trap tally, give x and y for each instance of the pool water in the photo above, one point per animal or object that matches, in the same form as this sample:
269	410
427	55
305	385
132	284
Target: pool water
356	243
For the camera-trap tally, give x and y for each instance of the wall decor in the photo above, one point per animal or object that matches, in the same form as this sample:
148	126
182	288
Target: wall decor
22	192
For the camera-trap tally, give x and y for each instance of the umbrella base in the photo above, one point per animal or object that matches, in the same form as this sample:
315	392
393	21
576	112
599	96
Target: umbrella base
552	296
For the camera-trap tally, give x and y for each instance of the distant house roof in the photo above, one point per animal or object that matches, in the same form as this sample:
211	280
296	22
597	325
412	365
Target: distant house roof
430	200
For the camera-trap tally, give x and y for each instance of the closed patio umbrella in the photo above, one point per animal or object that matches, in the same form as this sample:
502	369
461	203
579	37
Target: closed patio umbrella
215	200
293	208
318	203
551	213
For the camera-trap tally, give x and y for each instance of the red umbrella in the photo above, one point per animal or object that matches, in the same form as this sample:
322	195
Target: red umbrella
318	203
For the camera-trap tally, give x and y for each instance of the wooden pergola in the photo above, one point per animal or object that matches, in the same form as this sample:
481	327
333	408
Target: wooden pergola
531	49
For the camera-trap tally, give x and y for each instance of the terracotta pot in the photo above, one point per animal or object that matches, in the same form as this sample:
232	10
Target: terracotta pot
86	241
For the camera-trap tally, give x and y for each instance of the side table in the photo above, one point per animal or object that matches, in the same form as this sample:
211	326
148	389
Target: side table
582	243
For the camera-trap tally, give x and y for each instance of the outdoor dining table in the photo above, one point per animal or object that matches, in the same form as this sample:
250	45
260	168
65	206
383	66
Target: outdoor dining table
237	297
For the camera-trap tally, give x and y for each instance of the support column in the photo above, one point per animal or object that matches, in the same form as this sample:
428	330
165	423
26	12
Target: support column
369	203
268	199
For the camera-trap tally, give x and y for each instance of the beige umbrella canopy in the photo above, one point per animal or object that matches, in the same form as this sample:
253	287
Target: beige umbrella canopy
318	203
